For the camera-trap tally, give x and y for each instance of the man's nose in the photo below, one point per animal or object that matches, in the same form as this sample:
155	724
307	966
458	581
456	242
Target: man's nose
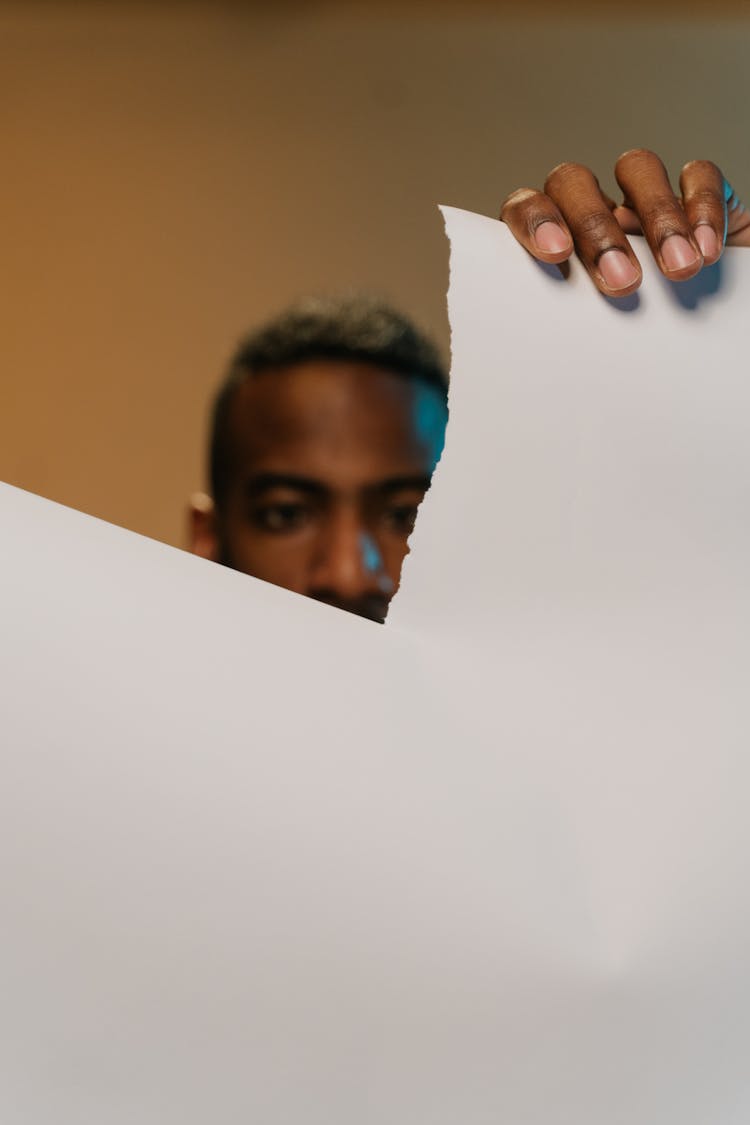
348	563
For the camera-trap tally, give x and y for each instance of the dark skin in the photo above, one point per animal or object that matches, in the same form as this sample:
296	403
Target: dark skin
684	232
331	461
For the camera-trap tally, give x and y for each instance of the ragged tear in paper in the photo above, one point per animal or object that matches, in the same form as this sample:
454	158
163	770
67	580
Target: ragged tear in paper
265	861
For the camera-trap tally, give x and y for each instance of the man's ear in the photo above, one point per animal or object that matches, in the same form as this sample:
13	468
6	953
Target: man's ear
203	539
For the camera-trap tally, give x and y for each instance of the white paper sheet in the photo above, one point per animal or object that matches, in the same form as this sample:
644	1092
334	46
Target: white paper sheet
262	861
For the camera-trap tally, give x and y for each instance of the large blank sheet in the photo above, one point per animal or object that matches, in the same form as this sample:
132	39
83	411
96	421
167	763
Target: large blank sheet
263	861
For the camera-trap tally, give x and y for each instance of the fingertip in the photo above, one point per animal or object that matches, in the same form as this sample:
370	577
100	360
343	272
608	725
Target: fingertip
627	219
553	240
709	243
679	258
618	275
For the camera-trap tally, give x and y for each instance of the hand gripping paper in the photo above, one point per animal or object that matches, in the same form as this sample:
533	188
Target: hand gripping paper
265	862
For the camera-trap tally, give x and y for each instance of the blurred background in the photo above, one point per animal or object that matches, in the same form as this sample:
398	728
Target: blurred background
172	173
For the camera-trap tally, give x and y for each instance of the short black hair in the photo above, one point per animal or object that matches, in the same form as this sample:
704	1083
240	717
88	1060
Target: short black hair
363	329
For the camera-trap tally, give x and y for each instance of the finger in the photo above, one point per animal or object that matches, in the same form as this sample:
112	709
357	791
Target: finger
702	187
626	217
628	220
643	178
537	224
599	240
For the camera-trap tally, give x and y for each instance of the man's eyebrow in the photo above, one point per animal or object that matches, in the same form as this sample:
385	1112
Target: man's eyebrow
259	483
419	483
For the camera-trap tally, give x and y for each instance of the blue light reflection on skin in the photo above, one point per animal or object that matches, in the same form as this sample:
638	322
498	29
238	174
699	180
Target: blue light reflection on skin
728	193
430	420
372	562
733	203
371	559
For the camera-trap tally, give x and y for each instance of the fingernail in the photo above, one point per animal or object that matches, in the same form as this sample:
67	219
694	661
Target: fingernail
677	253
551	238
706	238
617	270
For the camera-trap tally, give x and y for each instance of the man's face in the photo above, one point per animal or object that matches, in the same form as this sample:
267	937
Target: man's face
330	462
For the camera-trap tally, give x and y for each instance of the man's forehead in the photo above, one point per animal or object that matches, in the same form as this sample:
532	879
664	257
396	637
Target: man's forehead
336	408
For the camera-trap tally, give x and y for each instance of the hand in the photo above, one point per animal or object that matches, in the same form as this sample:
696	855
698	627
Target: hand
684	233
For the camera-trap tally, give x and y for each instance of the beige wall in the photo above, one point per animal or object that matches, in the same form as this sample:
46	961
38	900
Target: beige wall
171	173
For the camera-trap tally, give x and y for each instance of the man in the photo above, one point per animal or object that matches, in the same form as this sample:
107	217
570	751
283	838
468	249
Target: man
325	435
332	419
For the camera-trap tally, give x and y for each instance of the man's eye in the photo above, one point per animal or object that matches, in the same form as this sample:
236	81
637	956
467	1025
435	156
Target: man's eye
280	517
401	518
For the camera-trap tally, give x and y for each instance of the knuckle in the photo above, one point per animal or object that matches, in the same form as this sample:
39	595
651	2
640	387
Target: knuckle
518	199
636	155
702	177
567	167
704	168
566	173
641	172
